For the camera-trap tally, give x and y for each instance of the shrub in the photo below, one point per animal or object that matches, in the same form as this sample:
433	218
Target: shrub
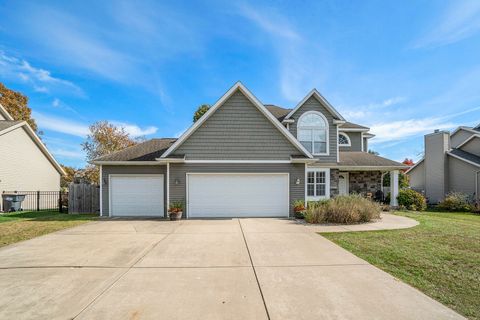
456	201
343	209
411	200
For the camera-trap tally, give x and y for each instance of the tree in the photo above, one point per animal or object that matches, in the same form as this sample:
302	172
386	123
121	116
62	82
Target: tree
16	105
402	180
373	152
65	180
104	138
201	110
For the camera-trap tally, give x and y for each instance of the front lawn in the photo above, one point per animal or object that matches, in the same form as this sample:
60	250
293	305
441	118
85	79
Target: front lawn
440	257
19	226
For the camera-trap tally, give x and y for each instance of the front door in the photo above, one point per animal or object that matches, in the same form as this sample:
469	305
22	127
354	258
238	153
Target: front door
343	183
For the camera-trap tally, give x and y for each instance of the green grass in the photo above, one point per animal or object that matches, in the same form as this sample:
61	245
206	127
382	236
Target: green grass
19	226
440	257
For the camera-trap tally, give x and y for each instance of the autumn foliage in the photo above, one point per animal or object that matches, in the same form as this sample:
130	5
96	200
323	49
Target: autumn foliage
16	105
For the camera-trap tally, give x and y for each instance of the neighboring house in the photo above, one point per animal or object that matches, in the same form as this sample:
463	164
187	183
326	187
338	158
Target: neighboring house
25	163
244	158
451	164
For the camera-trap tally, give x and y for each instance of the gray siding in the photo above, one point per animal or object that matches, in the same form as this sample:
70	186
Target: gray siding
239	131
436	144
313	104
107	170
356	141
417	177
462	176
178	176
459	137
472	146
365	145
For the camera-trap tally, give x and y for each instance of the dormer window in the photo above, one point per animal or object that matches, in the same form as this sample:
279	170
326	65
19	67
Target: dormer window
344	140
312	132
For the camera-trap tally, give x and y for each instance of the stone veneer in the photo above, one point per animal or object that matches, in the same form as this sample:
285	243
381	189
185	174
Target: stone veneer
365	181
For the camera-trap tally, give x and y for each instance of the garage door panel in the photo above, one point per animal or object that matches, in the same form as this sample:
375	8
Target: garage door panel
137	195
238	195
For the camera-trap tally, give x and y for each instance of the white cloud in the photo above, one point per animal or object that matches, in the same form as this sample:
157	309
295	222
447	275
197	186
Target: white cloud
40	79
135	130
56	102
71	154
403	129
459	21
364	112
62	125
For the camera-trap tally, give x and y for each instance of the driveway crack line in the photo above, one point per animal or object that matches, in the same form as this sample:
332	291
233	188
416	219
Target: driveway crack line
254	271
122	275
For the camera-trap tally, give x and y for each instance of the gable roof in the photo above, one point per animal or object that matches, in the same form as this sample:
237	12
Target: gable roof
468	129
474	136
10	124
465	156
5	114
415	165
238	86
316	94
6	124
278	112
350	125
145	151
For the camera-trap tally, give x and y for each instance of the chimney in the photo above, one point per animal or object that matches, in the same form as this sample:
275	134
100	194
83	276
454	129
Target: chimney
436	172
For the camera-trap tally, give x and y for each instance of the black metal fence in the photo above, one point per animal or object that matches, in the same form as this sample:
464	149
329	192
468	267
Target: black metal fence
43	200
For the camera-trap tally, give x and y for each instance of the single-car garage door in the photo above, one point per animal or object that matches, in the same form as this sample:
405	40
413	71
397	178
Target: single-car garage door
136	195
237	195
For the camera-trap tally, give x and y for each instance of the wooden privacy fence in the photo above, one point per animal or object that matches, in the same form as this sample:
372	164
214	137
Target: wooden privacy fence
83	198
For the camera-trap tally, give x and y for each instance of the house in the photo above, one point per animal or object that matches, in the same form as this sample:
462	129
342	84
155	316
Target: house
244	158
451	164
25	162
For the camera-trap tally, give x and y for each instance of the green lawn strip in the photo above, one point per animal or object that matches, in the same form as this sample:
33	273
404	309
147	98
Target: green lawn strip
440	257
19	226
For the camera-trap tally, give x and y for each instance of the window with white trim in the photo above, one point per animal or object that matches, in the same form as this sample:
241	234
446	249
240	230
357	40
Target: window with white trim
344	140
318	184
312	132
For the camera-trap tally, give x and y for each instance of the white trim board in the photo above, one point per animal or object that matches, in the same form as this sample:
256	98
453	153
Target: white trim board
219	103
321	99
5	114
475	136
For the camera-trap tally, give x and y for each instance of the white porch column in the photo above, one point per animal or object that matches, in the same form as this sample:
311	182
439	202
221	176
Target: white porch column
394	188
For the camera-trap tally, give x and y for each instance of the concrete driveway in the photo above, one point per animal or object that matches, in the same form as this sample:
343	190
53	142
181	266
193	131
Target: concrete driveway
199	269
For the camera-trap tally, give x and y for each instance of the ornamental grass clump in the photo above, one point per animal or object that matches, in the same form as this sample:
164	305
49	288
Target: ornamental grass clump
456	201
343	209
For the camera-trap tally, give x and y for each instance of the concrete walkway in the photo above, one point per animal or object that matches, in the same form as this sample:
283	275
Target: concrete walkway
199	269
387	222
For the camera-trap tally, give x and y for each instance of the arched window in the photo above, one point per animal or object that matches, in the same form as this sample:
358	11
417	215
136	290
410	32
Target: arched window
312	132
344	140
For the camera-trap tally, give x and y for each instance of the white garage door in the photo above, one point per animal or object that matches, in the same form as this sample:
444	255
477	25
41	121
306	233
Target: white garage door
136	195
237	195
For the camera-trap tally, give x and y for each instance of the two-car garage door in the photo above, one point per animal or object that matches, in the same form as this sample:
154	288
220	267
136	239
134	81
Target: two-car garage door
237	195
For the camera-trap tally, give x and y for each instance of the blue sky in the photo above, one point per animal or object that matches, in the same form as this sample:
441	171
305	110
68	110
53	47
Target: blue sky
402	69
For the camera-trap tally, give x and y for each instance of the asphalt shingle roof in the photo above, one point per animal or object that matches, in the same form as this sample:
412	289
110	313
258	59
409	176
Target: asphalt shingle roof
280	113
466	155
145	151
4	124
365	159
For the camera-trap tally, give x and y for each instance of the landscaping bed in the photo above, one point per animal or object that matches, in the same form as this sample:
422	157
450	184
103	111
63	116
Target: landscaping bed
440	256
24	225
